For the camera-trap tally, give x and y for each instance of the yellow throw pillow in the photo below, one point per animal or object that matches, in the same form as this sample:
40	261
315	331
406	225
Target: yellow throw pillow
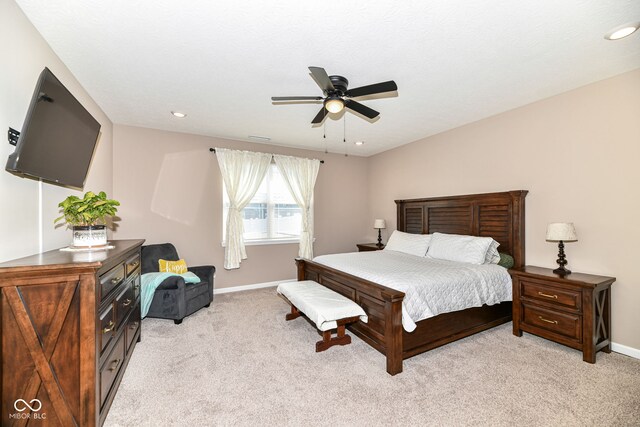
177	267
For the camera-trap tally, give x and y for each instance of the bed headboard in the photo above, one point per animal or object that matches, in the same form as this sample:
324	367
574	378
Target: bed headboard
496	215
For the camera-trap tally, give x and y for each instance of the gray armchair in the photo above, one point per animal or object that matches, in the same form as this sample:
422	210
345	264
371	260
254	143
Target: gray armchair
175	299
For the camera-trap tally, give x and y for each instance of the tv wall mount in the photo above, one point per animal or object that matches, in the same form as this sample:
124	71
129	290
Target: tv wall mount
13	136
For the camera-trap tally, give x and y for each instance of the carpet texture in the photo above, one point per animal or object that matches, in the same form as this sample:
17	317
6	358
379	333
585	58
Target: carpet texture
240	363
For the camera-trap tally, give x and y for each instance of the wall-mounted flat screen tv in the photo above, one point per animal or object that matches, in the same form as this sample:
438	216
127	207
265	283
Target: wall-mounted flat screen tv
58	136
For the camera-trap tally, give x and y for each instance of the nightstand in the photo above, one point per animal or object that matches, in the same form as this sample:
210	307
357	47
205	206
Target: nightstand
574	310
365	247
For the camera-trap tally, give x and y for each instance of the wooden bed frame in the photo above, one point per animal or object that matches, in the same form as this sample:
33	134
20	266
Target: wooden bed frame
497	215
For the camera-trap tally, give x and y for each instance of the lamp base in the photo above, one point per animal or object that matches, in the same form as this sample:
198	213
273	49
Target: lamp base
379	238
562	271
562	261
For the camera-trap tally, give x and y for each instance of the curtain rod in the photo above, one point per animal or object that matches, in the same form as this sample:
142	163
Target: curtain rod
213	150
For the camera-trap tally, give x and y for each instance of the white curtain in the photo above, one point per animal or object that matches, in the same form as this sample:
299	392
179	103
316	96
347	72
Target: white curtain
242	172
300	175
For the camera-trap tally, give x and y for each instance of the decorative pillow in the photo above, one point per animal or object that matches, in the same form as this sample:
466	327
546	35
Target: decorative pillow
506	261
492	256
177	267
454	247
412	244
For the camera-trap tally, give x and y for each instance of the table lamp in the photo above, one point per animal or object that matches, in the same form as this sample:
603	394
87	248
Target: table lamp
561	232
379	224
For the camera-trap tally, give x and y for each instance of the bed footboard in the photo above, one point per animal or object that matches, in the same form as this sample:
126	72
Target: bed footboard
383	306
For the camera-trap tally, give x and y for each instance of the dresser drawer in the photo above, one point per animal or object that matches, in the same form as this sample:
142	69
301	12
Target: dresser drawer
132	264
124	303
135	281
132	326
566	324
109	370
107	327
541	292
111	279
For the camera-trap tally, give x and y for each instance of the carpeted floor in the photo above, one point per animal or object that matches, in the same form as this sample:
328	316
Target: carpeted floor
240	363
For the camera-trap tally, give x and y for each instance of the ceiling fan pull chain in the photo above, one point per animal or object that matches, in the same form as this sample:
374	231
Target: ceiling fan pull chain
324	130
344	127
344	134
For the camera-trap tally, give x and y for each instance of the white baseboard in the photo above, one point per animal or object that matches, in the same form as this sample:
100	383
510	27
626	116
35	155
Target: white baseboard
627	351
249	287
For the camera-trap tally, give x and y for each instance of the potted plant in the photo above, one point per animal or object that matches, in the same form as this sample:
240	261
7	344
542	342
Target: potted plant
87	216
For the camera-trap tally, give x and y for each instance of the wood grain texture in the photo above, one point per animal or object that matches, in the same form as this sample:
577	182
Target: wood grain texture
48	326
574	310
497	215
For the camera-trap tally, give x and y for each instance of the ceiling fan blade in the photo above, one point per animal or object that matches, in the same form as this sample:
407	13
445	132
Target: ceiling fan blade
322	78
319	118
389	86
360	108
296	98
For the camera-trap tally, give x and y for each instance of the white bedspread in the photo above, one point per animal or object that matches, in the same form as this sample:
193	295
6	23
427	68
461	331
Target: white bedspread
431	286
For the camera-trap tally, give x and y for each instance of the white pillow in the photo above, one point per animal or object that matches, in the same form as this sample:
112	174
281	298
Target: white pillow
412	244
454	247
492	256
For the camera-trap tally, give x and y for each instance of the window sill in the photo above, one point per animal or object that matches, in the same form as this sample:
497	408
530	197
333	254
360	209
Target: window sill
268	242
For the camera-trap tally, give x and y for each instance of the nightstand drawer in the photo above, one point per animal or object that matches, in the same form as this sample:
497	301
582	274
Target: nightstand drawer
567	324
549	294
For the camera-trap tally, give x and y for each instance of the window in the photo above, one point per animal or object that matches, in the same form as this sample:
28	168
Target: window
272	215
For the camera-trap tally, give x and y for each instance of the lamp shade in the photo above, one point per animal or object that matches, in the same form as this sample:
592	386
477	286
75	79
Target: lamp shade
564	231
379	223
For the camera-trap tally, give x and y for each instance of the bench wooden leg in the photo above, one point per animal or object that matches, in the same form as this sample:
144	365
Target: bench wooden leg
295	313
327	341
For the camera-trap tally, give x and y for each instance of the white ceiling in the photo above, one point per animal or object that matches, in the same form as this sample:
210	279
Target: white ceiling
220	61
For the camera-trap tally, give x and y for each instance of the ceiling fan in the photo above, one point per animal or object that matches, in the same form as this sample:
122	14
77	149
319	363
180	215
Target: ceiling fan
337	96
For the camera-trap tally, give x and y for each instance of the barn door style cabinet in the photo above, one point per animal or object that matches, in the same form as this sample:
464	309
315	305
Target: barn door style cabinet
69	322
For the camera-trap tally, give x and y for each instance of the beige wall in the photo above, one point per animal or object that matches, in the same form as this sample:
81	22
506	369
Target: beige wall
577	153
24	54
170	188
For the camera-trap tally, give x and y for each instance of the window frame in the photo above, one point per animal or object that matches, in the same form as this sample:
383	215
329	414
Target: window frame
270	210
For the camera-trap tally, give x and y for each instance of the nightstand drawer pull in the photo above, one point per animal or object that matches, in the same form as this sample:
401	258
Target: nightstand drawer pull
555	322
547	295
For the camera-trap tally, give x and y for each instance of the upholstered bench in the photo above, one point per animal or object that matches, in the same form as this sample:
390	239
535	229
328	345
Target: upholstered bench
327	309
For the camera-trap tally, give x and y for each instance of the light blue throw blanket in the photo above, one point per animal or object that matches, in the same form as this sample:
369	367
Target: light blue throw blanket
151	281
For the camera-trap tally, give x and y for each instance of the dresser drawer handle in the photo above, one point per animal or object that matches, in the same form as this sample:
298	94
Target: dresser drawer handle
115	280
109	327
133	325
126	302
114	365
547	295
555	322
134	264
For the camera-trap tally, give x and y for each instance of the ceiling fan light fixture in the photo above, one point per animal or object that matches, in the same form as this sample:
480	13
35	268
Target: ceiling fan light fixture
334	104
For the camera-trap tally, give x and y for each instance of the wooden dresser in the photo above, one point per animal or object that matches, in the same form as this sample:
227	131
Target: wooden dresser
69	322
574	310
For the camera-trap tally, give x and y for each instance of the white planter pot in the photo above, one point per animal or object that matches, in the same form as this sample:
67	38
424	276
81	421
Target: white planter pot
89	236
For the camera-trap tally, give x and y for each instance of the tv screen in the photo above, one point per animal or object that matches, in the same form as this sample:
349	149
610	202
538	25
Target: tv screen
58	136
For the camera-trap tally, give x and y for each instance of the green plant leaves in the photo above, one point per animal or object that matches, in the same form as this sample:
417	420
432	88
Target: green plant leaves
92	209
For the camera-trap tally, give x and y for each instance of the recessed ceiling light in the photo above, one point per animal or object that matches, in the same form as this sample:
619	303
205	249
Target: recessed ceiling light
260	138
359	142
622	31
179	114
